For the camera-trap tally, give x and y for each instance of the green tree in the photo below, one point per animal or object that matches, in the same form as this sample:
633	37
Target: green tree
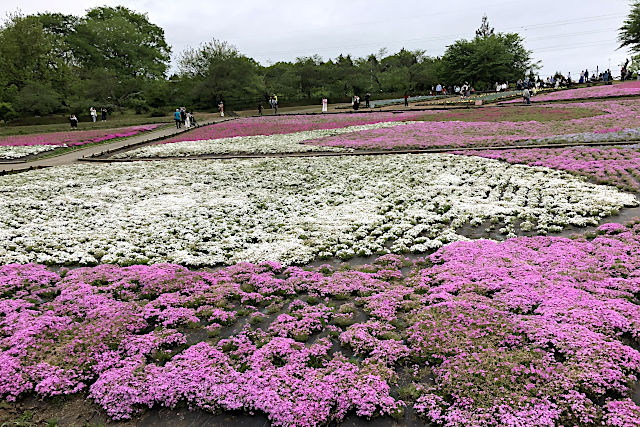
119	39
486	59
120	55
629	35
7	112
28	59
217	71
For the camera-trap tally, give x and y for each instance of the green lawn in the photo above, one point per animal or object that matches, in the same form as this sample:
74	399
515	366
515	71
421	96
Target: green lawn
513	113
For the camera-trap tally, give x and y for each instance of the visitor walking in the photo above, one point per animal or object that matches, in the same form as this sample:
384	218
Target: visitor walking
93	113
104	114
367	99
183	115
406	99
73	120
526	96
192	119
187	120
221	108
177	118
260	108
356	102
325	105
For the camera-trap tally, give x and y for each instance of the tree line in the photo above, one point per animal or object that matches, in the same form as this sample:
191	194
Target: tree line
116	58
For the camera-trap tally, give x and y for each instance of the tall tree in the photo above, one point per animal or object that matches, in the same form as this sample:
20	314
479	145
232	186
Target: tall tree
217	71
485	30
31	71
483	61
120	54
630	31
121	40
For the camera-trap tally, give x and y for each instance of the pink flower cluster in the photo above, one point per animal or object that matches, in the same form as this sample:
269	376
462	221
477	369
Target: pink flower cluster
531	331
455	134
271	125
630	88
616	166
131	338
76	137
535	331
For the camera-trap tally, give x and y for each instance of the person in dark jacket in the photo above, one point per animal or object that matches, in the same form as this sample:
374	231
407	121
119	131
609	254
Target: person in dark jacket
74	121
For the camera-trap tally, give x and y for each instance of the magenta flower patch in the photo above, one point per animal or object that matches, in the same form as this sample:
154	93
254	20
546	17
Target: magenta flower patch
76	137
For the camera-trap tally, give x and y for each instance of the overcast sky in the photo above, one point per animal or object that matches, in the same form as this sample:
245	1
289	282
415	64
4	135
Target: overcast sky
566	35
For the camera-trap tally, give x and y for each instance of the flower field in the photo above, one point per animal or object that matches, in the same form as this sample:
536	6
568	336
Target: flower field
258	144
313	290
16	146
418	129
532	331
615	166
617	115
630	88
18	151
222	212
272	125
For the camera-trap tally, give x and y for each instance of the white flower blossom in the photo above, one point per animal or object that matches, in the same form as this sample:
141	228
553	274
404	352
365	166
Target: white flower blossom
292	210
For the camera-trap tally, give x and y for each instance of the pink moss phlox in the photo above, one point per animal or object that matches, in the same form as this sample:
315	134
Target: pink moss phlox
76	137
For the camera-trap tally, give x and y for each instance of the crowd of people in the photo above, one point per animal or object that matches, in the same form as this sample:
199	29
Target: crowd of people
185	118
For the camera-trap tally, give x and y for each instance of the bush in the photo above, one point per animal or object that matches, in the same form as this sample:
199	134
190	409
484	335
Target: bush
139	105
157	112
7	112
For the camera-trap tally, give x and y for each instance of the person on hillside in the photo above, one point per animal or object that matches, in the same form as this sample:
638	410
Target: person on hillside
73	120
192	119
526	96
93	113
103	111
187	120
406	99
221	108
260	108
438	89
177	118
586	76
325	105
367	100
356	102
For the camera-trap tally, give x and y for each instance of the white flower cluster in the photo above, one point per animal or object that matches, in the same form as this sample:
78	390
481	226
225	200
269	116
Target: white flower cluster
16	152
292	210
630	134
260	144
